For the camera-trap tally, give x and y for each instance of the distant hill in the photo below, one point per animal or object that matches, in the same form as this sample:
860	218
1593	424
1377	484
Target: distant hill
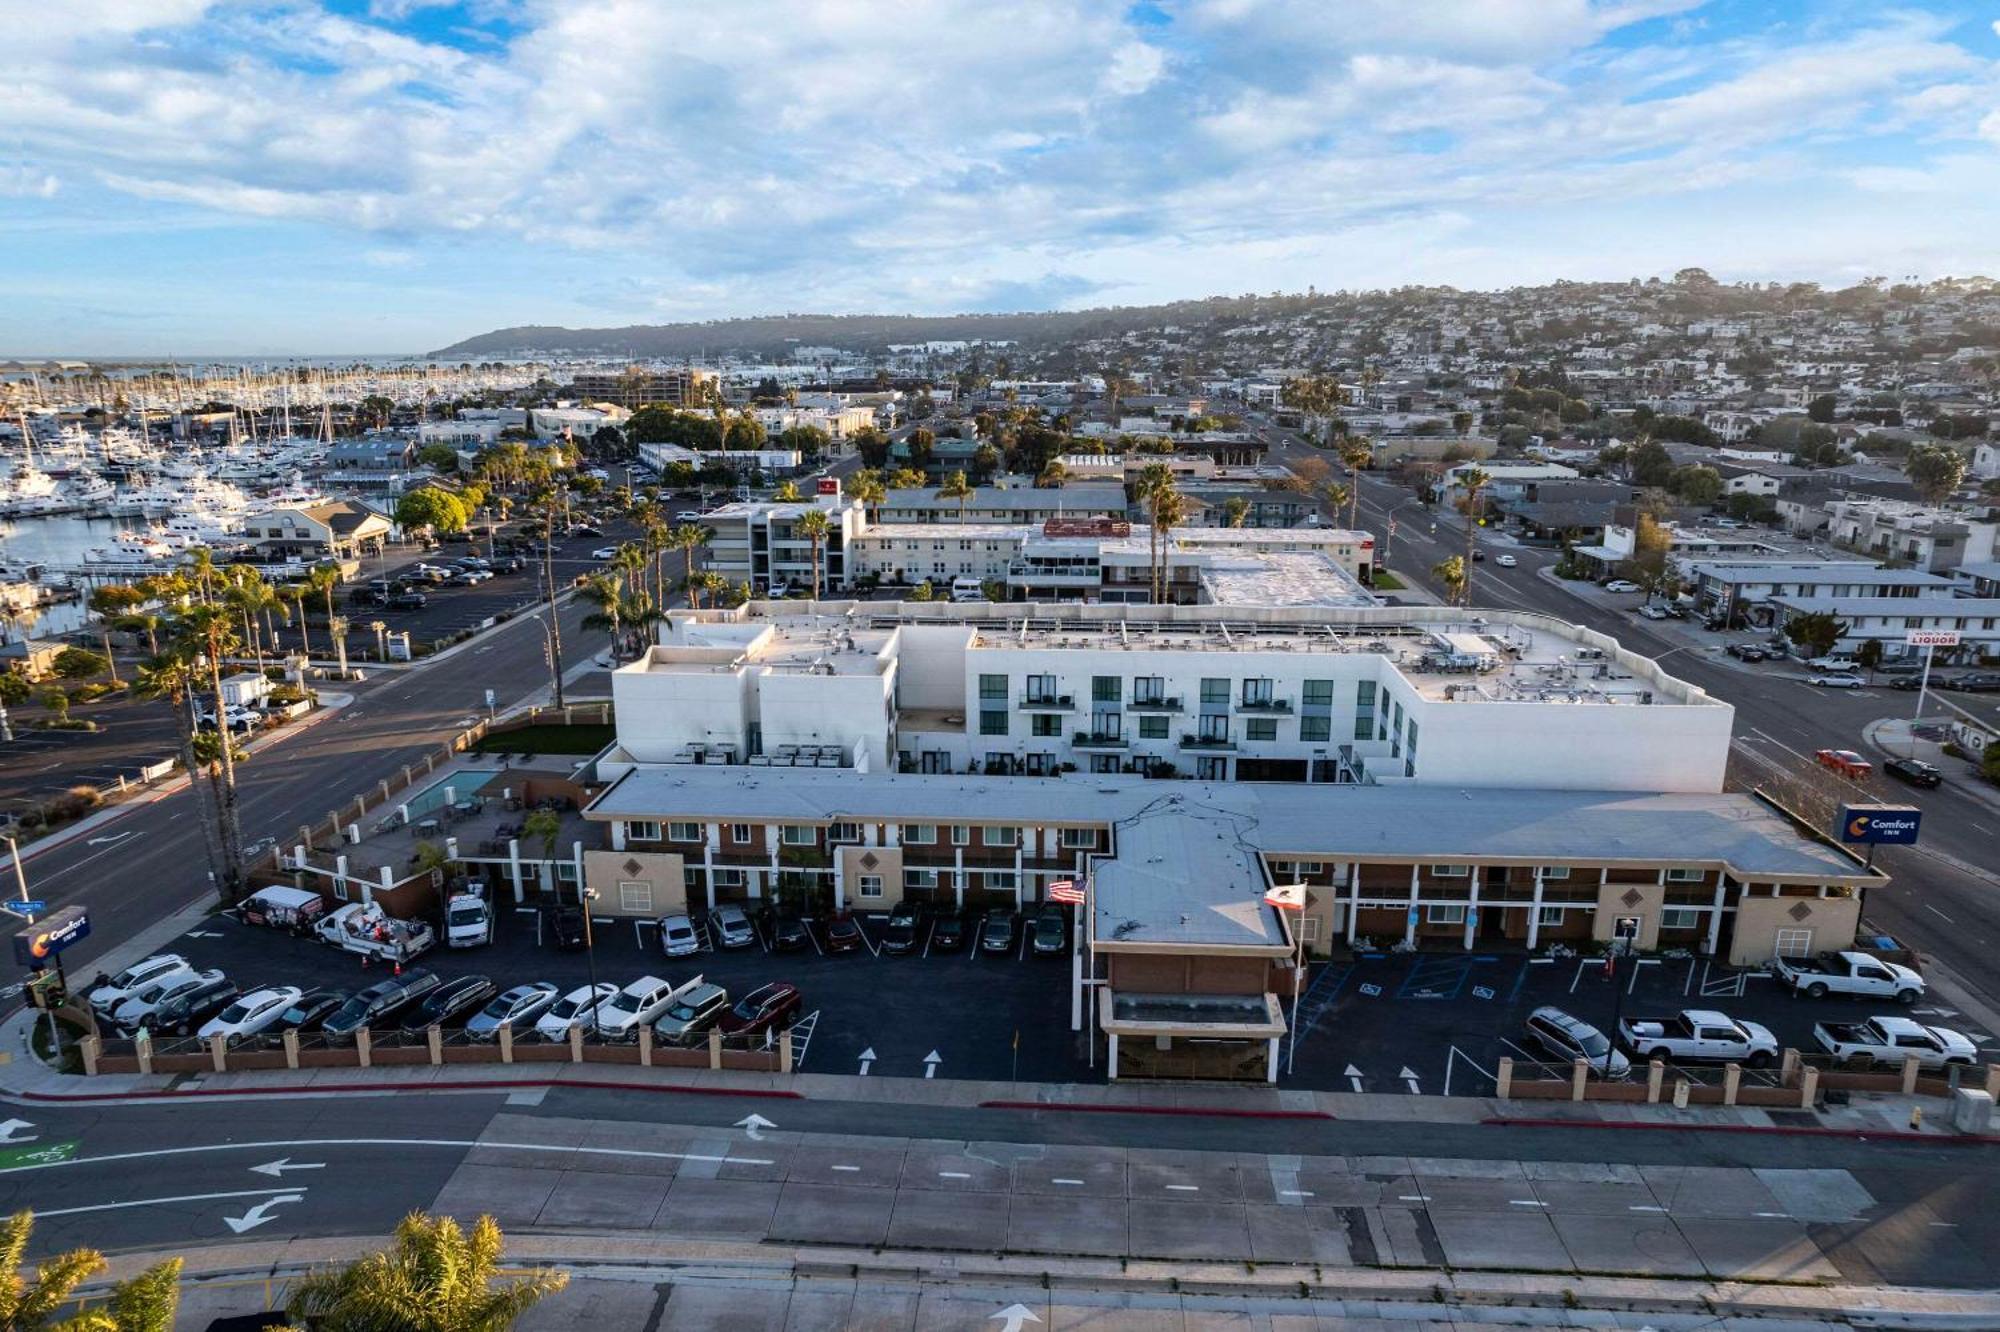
777	334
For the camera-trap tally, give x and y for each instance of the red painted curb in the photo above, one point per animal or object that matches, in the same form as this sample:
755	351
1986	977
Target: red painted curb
1153	1110
338	1089
1800	1131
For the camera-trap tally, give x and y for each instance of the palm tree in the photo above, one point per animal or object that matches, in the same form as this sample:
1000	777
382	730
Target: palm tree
866	486
1336	493
381	631
1169	511
788	493
434	1277
956	488
1236	510
908	478
1451	572
110	600
336	629
714	584
1357	453
171	677
814	526
204	634
323	579
250	597
640	613
1154	480
1475	481
296	593
146	1303
143	622
606	591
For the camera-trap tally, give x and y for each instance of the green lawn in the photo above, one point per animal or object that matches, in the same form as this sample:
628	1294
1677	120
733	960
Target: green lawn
548	739
1387	582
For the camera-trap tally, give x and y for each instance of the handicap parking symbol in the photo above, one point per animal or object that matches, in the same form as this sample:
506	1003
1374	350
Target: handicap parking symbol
1481	992
1371	990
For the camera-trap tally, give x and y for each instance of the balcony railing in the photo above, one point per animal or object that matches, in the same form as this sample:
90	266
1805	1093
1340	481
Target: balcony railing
1207	742
1154	705
1098	740
1264	705
1047	703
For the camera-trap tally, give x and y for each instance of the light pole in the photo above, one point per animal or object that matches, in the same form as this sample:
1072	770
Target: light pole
584	897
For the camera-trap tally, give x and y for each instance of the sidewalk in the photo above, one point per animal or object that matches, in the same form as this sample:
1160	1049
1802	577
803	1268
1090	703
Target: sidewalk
1899	737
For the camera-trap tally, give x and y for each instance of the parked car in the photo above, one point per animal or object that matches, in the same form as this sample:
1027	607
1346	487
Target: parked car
1621	585
567	929
729	927
1907	683
948	932
108	992
677	936
639	1003
517	1007
1837	662
573	1009
470	577
688	516
1844	761
691	1015
251	1013
311	1009
905	928
183	1013
778	590
281	908
411	600
140	1005
843	933
1569	1038
1051	931
584	530
789	933
1977	682
1850	973
764	1009
1699	1033
1505	561
1837	680
998	932
380	1002
1653	611
450	1003
1891	1040
604	553
1747	651
1914	771
468	920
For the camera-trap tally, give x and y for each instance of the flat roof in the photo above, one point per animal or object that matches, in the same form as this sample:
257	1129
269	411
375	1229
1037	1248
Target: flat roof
1185	874
1948	608
1281	578
1831	571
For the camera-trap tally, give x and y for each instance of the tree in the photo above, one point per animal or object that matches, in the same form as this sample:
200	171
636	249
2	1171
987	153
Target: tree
1357	453
74	663
1698	484
1935	470
1053	475
1235	510
1822	408
146	1303
908	478
788	493
605	591
1650	463
204	635
434	1277
1319	394
1816	632
111	602
1450	571
872	446
57	702
918	446
1869	655
815	525
866	486
170	677
922	592
374	410
433	508
1474	482
438	457
956	487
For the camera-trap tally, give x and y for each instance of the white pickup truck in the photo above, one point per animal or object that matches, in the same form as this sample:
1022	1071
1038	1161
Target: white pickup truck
364	928
1700	1033
1850	973
1891	1040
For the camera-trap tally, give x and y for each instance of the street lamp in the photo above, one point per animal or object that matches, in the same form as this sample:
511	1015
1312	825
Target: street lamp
584	897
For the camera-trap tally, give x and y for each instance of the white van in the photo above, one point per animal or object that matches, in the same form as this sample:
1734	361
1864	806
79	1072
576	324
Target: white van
968	589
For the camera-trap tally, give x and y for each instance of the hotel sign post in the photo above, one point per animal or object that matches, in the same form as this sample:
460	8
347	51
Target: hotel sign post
1929	640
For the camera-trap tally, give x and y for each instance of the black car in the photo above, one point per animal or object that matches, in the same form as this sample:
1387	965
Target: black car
905	929
1914	771
1051	931
567	930
1746	651
1979	682
184	1014
1909	684
310	1010
585	530
369	596
789	933
998	932
380	1002
948	934
449	1003
411	600
507	564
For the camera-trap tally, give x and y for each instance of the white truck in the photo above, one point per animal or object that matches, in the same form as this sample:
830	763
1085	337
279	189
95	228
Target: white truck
364	928
1891	1040
468	921
248	690
1850	973
1700	1034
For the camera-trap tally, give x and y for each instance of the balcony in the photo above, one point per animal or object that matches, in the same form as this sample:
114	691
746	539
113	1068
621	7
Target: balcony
1264	706
1154	705
1208	744
1099	740
1048	703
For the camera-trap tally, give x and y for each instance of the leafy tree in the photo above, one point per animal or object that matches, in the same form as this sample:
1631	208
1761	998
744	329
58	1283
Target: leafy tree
1816	632
1749	508
1235	510
1684	430
1450	571
1698	484
374	410
1869	655
1651	464
919	447
428	506
434	1277
1935	470
922	592
872	446
788	493
1821	409
14	687
442	457
1052	476
74	663
57	702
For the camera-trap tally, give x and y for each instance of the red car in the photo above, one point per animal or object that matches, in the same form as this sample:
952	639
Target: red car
762	1010
1845	762
843	933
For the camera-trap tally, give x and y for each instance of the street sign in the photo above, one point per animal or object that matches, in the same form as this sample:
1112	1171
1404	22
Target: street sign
35	904
1880	825
34	946
1931	638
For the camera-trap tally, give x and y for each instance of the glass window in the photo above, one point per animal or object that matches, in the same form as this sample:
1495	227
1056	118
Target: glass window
635	899
1364	727
993	687
1412	744
1684	876
1106	688
728	878
1045	723
643	830
1009	836
800	834
920	878
1315	728
1445	914
1450	871
961	835
1215	691
1000	881
1364	695
1260	728
1042	689
869	885
739	832
1555	871
683	832
1075	839
1153	728
1550	915
992	723
844	832
1256	692
1213	728
1679	918
1318	692
1149	689
919	834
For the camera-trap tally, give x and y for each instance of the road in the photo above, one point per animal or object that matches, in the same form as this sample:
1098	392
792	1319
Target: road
1934	904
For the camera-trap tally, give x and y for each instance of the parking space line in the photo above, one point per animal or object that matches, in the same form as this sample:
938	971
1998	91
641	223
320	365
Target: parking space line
800	1043
813	935
862	926
1185	1188
1066	1181
1296	1193
1511	1202
1023	956
953	1174
849	1169
1520	980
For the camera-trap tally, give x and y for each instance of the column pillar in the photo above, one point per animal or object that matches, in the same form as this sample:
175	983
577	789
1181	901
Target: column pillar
958	875
291	1038
1271	1060
1715	916
1410	917
1535	912
1111	1060
1472	906
514	869
1353	898
506	1042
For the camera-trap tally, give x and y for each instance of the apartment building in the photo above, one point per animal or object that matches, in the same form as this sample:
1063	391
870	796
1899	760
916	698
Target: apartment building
640	386
1744	589
1928	538
1889	621
759	542
994	504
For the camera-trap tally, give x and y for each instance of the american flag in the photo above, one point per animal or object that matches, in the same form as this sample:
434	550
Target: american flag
1065	890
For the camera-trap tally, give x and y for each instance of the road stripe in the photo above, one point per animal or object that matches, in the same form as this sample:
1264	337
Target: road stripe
1065	1181
1185	1188
161	1202
394	1142
852	1170
953	1174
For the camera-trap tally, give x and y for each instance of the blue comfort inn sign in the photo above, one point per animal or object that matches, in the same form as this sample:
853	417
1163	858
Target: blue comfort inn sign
1880	825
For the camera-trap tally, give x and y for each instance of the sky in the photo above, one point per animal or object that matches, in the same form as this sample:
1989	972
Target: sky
180	177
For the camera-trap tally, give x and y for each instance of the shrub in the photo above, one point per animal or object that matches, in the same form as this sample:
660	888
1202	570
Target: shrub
72	804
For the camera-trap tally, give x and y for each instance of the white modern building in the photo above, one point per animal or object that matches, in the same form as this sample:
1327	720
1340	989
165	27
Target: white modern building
759	541
1917	534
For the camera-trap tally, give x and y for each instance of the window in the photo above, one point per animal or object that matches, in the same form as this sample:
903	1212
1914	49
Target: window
1307	867
683	832
1684	876
920	834
1152	728
1215	728
993	688
1149	689
1318	694
799	834
1106	763
844	832
1008	836
1445	914
961	835
1411	745
1211	769
691	878
1450	871
1260	728
920	878
1555	871
642	830
869	885
1000	881
1315	728
1107	723
1549	916
1106	688
1042	689
1215	693
635	899
1045	724
566	871
739	832
992	723
1079	839
728	878
1679	918
1308	929
1256	693
1794	943
1364	695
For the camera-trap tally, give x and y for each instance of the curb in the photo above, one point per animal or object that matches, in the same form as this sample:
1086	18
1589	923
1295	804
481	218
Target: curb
1217	1112
373	1088
1776	1130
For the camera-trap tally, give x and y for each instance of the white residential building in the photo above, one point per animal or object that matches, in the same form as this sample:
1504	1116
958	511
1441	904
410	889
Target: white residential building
1935	539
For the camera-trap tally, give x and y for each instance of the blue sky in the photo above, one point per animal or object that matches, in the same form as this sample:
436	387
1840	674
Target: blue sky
185	177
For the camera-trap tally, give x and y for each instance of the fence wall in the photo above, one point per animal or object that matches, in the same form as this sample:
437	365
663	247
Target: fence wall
1798	1082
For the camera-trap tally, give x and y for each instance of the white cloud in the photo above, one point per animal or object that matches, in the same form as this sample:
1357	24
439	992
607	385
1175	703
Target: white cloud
24	182
1135	67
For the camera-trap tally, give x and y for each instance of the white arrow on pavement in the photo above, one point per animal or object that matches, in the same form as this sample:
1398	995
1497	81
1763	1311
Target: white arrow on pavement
753	1127
204	934
276	1169
867	1058
106	841
261	1213
1014	1315
1409	1076
931	1061
1353	1075
8	1131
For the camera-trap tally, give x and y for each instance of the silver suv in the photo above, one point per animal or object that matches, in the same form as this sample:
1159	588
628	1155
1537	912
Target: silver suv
1569	1038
